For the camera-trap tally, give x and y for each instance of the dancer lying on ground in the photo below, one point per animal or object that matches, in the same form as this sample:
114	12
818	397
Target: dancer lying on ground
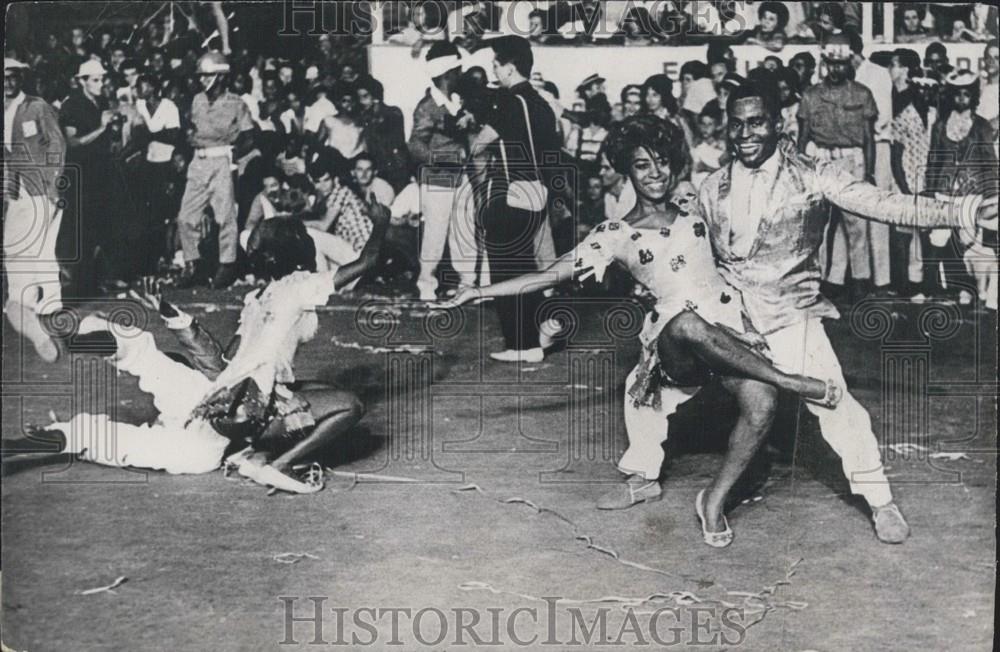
698	329
250	399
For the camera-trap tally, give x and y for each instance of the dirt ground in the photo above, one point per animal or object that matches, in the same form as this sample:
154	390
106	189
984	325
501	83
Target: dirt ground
499	526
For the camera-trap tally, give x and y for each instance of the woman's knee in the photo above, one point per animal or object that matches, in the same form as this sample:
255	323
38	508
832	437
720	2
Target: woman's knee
685	326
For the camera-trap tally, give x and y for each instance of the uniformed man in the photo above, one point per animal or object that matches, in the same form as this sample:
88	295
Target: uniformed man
222	124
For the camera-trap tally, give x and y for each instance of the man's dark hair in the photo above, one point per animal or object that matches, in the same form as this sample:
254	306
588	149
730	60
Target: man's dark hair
152	80
834	11
711	110
913	6
697	70
372	85
515	50
854	41
649	132
278	247
806	58
776	8
364	156
628	90
717	51
937	47
130	64
327	161
552	88
763	86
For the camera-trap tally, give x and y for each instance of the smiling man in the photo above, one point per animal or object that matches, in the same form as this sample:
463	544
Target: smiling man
767	211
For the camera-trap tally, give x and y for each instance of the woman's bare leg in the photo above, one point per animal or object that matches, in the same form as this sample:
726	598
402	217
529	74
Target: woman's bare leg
757	402
336	412
689	336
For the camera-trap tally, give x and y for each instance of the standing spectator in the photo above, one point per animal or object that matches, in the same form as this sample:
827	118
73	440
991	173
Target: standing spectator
525	127
86	119
772	18
788	88
631	97
962	161
371	187
936	59
989	98
585	141
837	122
913	119
33	159
343	132
162	132
804	65
709	148
658	99
877	80
222	131
619	195
383	134
438	143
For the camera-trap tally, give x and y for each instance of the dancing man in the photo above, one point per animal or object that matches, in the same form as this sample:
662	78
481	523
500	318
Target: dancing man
767	212
251	398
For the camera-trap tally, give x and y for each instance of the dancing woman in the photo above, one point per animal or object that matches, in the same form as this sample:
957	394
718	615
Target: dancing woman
697	330
244	395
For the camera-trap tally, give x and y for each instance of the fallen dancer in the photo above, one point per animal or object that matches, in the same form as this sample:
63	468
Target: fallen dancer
217	400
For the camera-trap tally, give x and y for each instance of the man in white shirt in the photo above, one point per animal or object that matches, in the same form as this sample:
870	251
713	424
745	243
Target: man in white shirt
370	185
619	195
318	110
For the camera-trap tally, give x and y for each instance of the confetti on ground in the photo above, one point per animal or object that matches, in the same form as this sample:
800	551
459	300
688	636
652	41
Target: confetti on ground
403	348
293	557
758	603
109	588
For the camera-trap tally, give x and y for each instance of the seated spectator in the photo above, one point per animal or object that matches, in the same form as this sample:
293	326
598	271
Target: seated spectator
829	21
263	207
383	133
909	23
319	108
344	131
336	208
370	187
710	146
772	18
292	119
772	63
291	161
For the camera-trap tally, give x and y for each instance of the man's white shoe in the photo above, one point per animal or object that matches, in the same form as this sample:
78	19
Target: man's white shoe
513	355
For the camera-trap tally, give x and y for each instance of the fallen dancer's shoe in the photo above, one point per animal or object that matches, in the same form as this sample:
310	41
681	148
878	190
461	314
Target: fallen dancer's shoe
714	539
267	475
633	491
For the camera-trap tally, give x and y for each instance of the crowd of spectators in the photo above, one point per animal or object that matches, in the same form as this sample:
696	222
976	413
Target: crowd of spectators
323	145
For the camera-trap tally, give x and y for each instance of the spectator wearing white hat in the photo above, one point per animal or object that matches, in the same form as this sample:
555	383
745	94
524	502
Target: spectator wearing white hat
438	143
86	121
837	122
33	160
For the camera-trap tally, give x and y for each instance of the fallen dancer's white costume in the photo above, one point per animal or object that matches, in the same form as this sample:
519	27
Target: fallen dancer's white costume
182	439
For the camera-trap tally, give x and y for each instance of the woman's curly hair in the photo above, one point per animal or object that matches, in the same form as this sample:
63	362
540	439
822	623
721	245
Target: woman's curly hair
648	131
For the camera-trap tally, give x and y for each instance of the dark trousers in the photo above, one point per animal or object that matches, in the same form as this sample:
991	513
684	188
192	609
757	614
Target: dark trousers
510	234
154	216
956	276
80	233
899	260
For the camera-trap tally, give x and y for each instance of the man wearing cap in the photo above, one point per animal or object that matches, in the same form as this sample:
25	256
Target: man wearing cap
34	152
767	211
222	133
86	122
590	86
438	144
837	122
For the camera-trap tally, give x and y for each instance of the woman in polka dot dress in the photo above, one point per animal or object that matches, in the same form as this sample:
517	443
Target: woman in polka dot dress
697	329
